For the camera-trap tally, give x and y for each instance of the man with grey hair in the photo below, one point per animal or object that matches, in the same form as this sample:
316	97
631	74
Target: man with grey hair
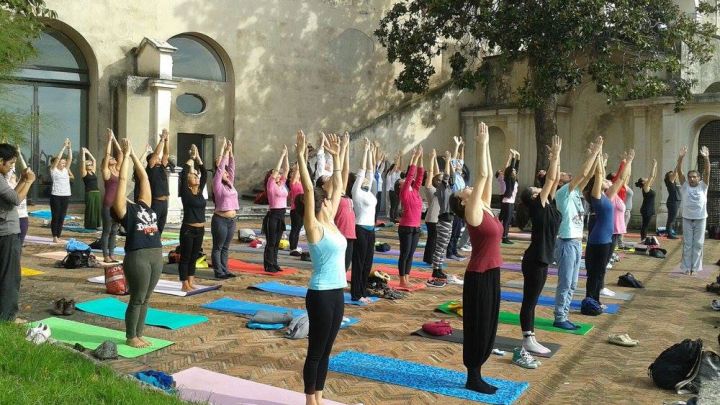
694	211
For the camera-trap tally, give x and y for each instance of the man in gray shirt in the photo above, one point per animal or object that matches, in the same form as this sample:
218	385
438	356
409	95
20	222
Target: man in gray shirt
10	245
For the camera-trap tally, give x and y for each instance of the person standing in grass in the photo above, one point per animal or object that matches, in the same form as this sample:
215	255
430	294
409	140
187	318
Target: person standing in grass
10	245
143	260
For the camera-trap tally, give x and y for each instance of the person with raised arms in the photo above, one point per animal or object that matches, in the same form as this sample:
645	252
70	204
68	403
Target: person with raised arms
111	174
694	192
60	194
222	225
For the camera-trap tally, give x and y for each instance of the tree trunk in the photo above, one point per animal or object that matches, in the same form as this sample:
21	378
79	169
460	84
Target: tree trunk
545	129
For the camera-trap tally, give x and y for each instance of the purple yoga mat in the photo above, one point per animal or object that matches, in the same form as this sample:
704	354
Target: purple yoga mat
553	271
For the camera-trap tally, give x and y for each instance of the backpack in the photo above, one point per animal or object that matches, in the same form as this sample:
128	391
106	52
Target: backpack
115	282
628	280
382	247
438	328
75	260
299	327
676	363
589	306
74	245
97	244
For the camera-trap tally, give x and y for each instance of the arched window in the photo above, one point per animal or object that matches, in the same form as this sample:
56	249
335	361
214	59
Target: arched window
713	88
195	59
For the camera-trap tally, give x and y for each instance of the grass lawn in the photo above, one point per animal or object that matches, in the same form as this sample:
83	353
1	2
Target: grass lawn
46	374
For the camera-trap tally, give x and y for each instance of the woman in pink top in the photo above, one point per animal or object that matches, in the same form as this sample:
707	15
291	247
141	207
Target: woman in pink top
481	287
225	196
296	219
274	222
409	229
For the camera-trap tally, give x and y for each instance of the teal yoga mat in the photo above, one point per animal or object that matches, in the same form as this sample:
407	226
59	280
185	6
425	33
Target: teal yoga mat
299	291
114	308
250	308
423	377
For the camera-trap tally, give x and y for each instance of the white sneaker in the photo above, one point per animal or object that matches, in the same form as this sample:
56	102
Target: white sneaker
609	266
453	279
39	334
607	292
466	248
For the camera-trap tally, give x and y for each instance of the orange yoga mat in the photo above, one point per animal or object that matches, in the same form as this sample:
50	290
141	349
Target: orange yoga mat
239	266
393	283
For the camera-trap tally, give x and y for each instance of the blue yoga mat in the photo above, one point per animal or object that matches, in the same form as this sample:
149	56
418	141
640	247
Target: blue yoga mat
422	377
513	296
114	308
250	308
78	228
45	214
394	261
298	291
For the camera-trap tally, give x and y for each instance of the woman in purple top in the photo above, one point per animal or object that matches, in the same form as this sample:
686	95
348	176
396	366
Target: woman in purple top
222	225
110	175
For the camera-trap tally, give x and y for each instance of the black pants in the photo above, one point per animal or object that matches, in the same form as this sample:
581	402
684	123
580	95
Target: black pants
409	238
362	261
109	232
646	218
325	312
534	277
672	209
506	215
273	229
10	250
161	209
430	243
377	206
58	210
454	236
191	239
394	204
597	257
481	308
296	223
349	253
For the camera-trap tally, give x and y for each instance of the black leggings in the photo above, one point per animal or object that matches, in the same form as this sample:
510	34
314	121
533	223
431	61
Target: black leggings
597	258
506	215
454	236
430	243
377	206
349	253
409	237
160	207
394	204
646	218
672	209
481	308
362	261
296	223
58	210
534	277
274	226
191	239
325	311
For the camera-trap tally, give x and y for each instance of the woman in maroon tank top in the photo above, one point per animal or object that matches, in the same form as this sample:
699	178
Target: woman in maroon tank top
481	289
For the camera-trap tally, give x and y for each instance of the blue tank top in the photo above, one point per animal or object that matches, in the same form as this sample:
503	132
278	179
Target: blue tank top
328	261
602	232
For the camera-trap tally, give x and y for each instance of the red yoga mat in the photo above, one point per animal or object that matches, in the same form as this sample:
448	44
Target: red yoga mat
393	271
239	266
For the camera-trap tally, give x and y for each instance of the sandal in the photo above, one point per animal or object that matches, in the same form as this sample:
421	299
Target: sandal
622	340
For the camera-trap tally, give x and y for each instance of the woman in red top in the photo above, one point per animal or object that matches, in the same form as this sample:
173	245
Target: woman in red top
409	229
481	288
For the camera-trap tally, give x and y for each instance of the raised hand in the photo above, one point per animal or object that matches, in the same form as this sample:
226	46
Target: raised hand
28	175
67	143
448	155
555	145
420	151
367	144
433	154
125	146
332	144
164	135
300	143
285	150
483	136
457	140
705	152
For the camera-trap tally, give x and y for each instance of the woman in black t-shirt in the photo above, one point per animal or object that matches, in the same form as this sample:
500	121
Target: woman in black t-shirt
88	167
143	250
672	203
546	223
191	184
647	210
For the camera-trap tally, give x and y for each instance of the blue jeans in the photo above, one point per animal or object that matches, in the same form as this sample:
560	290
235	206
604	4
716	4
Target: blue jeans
223	230
568	253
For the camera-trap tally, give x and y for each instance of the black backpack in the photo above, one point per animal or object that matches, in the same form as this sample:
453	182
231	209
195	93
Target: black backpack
628	280
676	363
76	259
97	244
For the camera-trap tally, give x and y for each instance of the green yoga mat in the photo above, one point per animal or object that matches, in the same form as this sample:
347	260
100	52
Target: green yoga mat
510	318
114	308
176	235
90	336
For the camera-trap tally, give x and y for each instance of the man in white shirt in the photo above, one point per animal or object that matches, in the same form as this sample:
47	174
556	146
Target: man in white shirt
694	211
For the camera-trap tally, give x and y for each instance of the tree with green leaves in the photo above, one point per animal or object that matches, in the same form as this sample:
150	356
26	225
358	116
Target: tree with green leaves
631	49
20	24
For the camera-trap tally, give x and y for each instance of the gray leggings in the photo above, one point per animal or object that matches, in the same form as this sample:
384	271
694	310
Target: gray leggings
142	269
109	232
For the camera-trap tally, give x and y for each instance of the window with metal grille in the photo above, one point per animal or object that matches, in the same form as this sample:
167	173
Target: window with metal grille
710	137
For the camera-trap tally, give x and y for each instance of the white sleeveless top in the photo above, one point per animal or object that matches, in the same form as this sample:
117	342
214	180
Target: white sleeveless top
60	182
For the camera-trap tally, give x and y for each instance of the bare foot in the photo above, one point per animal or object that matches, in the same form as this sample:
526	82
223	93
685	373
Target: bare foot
136	342
147	342
112	259
186	287
57	240
365	300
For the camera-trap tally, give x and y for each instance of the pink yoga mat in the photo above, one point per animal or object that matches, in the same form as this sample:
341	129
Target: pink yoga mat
198	384
553	271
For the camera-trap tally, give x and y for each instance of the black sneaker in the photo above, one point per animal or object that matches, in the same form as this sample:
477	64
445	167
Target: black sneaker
221	276
230	275
507	241
58	306
272	270
295	253
438	273
436	282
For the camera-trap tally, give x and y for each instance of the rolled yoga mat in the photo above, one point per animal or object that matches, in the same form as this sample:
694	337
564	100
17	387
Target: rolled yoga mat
579	292
299	291
91	336
207	387
168	287
513	296
552	271
510	318
422	377
501	342
114	308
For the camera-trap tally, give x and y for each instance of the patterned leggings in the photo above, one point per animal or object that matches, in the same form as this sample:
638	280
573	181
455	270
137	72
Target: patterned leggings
442	238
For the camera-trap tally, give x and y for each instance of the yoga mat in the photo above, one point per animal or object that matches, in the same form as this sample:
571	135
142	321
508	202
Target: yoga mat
46	214
176	236
513	296
172	268
90	337
283	261
55	255
250	308
394	284
40	240
298	291
168	287
510	318
501	342
203	386
393	271
239	266
579	292
394	261
552	271
422	377
114	308
26	272
79	229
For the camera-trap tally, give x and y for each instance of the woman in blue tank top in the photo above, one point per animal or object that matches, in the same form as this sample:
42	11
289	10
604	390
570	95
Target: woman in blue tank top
324	301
